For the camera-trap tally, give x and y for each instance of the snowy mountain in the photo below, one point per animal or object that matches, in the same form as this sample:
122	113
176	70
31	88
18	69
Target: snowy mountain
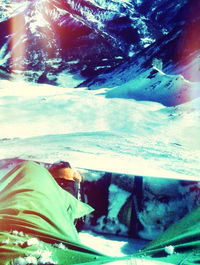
48	39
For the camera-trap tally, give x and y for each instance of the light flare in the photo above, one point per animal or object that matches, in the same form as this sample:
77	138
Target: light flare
46	43
17	43
32	38
190	53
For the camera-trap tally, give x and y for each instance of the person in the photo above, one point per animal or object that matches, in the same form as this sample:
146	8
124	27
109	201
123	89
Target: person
67	177
37	216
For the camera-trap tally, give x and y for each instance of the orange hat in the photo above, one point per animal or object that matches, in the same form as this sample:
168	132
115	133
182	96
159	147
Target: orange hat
69	174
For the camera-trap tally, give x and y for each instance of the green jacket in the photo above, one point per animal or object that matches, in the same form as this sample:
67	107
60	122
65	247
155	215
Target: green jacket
33	205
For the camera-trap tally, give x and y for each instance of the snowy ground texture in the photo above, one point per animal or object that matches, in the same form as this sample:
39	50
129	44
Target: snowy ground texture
49	123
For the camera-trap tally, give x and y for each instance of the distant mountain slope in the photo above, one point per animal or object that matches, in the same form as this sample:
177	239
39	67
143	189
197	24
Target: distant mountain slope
104	44
44	38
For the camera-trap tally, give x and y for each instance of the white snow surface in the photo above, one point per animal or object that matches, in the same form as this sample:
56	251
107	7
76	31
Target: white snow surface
50	123
114	246
155	85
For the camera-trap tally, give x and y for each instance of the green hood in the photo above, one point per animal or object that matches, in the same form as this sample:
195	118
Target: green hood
32	201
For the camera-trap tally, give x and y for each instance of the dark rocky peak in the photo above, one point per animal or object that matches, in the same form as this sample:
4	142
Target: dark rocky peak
94	37
51	30
178	50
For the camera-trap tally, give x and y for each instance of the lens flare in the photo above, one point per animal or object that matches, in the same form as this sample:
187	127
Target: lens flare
32	41
189	54
18	43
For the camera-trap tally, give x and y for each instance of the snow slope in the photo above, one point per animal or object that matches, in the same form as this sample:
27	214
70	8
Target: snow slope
78	123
